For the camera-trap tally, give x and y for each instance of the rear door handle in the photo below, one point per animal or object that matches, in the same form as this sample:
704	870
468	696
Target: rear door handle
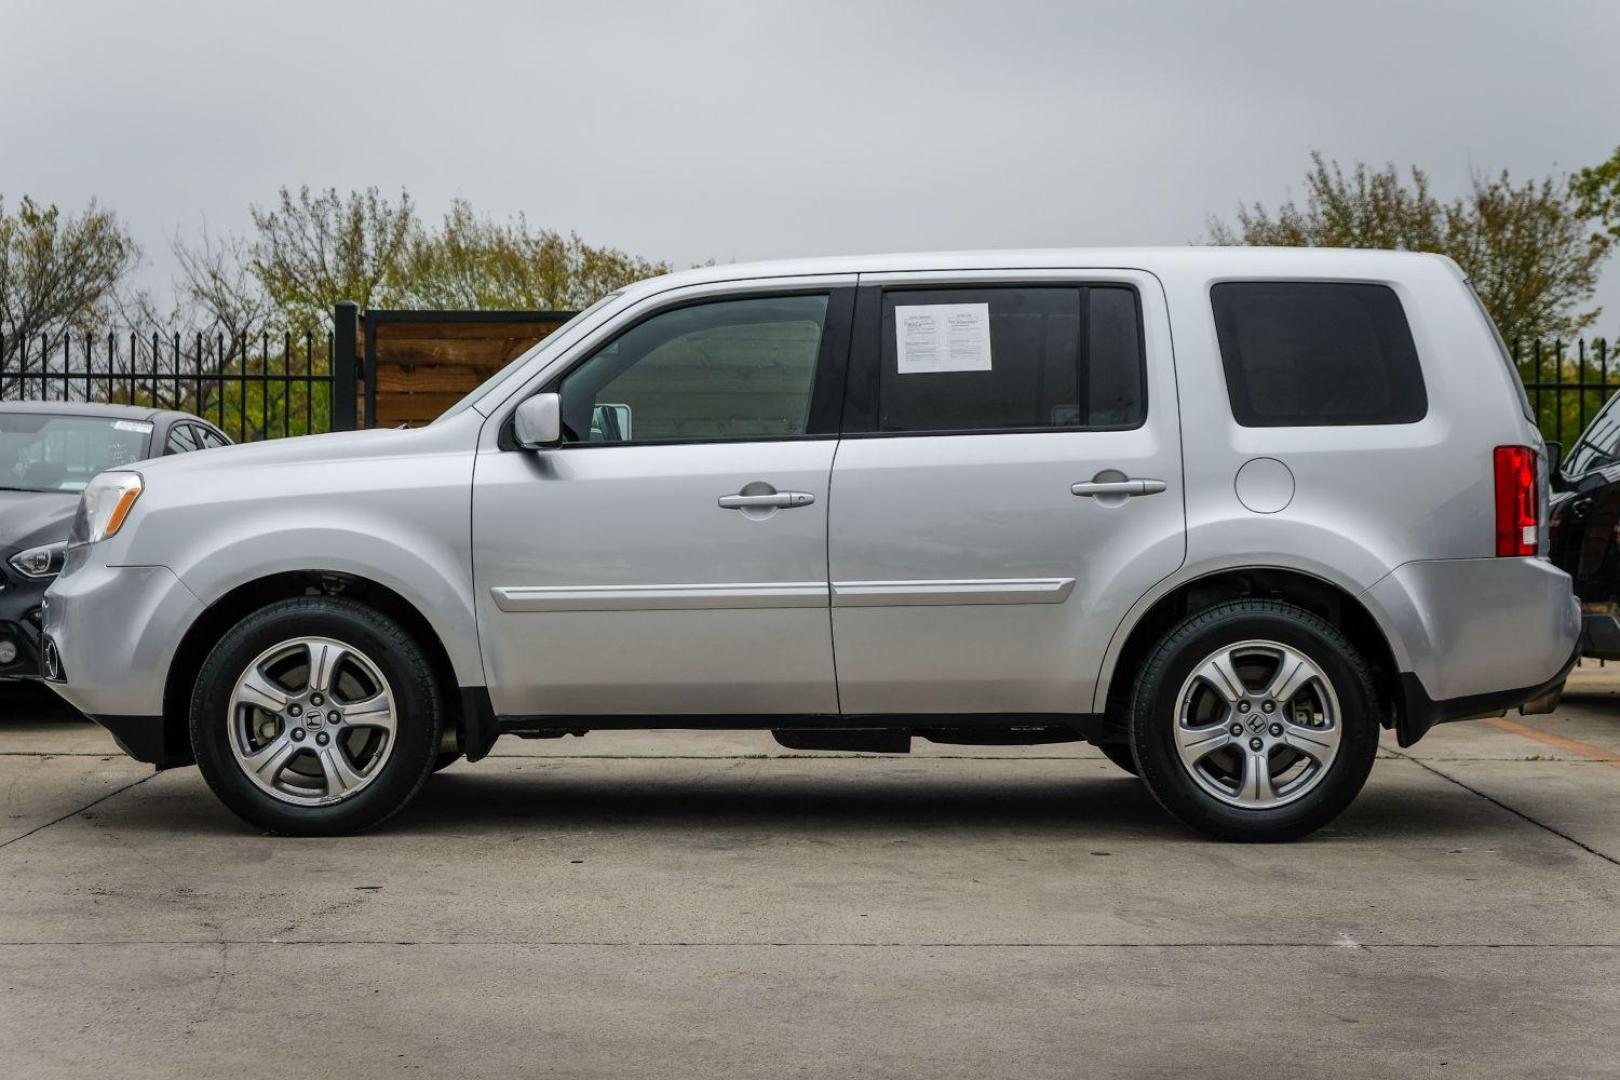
1091	488
781	500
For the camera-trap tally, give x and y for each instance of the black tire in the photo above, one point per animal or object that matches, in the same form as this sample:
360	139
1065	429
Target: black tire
1154	709
1120	754
445	760
418	708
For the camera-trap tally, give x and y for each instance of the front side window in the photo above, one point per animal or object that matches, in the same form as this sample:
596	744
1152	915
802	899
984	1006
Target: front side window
45	452
731	369
1011	358
1312	354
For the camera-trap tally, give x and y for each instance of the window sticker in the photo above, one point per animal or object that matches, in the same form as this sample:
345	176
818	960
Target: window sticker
934	338
140	426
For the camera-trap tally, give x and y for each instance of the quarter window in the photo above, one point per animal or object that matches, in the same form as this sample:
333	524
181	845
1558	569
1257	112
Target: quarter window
734	369
1011	358
181	440
1311	354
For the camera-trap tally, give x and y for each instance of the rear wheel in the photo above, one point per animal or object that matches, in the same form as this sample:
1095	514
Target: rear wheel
1255	720
316	716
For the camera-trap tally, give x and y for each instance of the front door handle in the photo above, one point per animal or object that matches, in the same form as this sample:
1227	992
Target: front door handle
1092	488
780	500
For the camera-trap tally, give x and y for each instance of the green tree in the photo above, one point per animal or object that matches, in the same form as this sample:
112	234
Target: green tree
59	272
475	262
312	250
1596	191
1526	247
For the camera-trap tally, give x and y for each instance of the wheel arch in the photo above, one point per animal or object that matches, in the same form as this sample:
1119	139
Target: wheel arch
217	618
1320	595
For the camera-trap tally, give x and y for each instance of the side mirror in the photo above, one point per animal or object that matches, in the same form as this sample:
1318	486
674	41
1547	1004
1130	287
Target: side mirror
537	424
1555	465
610	423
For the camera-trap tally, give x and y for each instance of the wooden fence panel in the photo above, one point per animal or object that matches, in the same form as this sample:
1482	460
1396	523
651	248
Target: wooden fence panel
419	363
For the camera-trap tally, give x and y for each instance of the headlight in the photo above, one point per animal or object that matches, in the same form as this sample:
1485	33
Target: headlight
104	507
40	562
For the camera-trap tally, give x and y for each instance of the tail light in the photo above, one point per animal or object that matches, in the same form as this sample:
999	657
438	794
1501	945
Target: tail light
1517	517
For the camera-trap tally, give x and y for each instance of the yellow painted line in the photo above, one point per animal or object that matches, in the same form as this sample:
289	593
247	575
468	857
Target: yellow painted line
1573	746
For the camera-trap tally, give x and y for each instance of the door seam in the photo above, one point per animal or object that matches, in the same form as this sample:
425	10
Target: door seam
826	551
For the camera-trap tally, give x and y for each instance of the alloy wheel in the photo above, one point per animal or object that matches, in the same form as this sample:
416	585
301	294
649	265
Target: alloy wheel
312	721
1257	724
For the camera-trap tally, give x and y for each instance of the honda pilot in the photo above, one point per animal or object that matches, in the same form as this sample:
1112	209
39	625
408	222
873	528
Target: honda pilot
1226	514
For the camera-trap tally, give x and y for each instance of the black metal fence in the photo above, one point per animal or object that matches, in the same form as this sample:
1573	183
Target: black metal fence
1567	385
261	387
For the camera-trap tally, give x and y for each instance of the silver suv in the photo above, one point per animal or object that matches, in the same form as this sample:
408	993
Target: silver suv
1222	513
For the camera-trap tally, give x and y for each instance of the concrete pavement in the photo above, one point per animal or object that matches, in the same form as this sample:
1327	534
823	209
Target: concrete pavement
678	904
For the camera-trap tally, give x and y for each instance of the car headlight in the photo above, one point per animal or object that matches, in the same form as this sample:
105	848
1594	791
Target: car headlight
40	562
104	507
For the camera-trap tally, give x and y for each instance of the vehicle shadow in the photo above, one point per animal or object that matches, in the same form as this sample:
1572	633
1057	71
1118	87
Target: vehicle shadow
774	799
1088	807
33	701
1600	700
735	800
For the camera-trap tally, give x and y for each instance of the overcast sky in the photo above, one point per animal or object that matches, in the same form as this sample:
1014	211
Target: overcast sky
688	132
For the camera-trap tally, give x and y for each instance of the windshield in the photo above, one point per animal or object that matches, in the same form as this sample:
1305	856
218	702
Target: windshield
44	452
501	373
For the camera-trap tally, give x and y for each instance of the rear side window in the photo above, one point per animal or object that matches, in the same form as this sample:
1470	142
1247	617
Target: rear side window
1311	354
1011	358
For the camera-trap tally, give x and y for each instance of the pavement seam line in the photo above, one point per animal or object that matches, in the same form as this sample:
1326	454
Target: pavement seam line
1512	810
80	810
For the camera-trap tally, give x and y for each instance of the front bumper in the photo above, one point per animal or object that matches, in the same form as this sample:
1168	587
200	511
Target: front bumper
20	622
114	631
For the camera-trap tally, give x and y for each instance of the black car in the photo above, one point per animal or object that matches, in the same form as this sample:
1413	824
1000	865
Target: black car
1583	517
48	452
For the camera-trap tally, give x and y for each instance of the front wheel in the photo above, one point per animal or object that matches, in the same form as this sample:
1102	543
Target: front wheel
1255	720
316	716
